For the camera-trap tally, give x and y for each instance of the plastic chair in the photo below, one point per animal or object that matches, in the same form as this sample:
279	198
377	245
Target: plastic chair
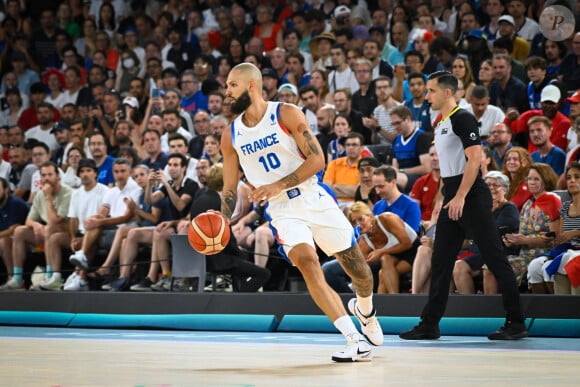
186	262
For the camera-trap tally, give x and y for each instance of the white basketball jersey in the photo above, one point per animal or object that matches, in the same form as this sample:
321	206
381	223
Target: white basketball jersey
267	151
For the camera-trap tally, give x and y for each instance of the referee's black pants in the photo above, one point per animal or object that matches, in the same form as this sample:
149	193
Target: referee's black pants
476	223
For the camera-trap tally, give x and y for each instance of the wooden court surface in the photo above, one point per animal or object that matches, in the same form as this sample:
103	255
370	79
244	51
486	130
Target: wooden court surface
77	357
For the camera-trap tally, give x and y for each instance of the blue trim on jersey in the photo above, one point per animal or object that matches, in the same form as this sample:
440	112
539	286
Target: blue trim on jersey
274	233
233	133
328	191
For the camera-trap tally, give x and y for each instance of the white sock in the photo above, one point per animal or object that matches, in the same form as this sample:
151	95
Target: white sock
345	325
57	276
365	304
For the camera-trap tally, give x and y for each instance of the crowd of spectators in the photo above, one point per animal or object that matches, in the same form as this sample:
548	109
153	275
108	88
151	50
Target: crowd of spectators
111	114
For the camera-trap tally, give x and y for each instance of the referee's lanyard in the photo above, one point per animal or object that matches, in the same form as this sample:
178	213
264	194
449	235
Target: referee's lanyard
450	114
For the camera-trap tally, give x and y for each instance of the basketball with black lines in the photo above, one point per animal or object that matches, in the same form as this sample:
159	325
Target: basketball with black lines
209	233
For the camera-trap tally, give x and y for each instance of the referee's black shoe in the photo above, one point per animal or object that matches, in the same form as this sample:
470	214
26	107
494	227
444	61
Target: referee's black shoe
510	331
422	331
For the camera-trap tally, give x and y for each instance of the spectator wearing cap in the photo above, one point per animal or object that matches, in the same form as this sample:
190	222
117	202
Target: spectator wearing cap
525	27
559	123
342	173
180	53
61	132
494	9
506	91
320	49
14	108
521	47
478	50
130	110
84	203
288	93
270	83
43	131
365	191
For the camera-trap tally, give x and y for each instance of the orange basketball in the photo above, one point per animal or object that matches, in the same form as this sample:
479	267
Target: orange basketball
209	233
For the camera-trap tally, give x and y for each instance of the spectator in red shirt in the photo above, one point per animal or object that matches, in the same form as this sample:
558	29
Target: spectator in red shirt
28	118
550	100
425	188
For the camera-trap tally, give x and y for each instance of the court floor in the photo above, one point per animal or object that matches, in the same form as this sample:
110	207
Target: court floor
95	357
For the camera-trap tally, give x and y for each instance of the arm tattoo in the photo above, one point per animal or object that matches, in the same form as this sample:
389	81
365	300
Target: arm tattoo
291	180
310	143
229	199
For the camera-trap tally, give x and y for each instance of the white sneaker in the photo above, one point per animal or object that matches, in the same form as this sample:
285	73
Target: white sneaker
38	276
13	284
357	349
370	326
79	259
76	284
52	284
71	278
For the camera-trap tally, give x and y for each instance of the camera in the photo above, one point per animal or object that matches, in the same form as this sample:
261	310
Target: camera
121	115
341	20
551	234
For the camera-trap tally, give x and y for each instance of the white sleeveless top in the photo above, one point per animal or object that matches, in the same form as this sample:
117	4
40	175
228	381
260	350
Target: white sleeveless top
267	151
392	239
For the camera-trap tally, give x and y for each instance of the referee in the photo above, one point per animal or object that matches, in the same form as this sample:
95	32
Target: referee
466	212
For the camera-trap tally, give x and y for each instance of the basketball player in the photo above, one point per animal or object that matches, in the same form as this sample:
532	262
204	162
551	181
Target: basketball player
466	211
280	157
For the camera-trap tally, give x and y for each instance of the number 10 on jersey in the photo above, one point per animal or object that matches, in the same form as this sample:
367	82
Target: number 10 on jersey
270	161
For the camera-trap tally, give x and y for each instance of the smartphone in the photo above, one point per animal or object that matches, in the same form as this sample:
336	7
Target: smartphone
155	93
503	230
551	234
407	69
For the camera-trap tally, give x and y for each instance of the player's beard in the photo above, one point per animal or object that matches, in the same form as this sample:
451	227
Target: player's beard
240	104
